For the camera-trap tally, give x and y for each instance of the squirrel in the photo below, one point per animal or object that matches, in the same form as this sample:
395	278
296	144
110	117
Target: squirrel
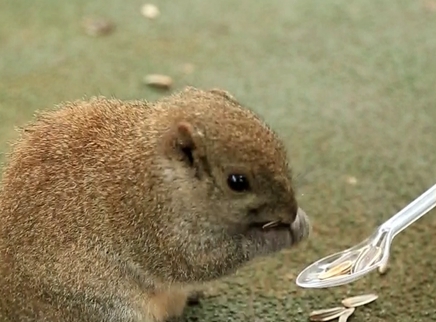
113	210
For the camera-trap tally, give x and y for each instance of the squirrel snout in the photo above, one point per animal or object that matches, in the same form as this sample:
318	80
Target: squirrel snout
300	228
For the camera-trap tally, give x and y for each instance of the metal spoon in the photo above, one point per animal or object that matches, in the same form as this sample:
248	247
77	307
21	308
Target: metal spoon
370	253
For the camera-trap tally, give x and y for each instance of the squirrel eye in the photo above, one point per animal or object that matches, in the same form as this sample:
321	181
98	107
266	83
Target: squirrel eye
238	182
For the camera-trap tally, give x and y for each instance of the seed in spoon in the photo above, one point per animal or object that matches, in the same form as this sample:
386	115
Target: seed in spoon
347	313
340	269
351	256
327	314
362	254
367	258
359	300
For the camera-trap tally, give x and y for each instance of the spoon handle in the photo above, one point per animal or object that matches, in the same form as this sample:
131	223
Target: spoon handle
412	212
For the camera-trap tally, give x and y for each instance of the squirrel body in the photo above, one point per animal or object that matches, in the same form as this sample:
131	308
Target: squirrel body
112	210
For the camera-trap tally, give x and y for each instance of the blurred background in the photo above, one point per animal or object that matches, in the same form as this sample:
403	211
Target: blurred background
349	85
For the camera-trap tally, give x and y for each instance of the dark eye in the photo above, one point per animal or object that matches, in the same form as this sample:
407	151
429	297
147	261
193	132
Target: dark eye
238	182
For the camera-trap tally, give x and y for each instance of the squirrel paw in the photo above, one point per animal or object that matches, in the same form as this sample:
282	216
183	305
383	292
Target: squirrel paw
195	297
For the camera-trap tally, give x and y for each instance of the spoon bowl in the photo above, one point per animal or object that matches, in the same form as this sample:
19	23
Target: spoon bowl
363	258
355	262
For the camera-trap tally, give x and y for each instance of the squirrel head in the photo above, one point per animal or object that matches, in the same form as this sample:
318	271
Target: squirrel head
229	176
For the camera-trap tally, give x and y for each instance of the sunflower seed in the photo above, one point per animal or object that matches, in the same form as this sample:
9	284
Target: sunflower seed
327	314
159	81
95	26
351	180
350	256
150	11
363	252
359	300
271	224
382	269
340	269
367	258
347	313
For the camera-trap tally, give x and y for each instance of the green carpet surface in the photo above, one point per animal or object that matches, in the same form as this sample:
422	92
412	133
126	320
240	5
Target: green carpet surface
349	85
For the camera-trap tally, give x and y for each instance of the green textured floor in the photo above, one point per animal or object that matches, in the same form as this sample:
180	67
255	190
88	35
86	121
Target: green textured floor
350	85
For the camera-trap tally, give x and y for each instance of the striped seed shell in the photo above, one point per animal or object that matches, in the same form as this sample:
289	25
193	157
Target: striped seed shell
327	314
347	313
340	269
158	81
367	258
345	257
359	300
270	224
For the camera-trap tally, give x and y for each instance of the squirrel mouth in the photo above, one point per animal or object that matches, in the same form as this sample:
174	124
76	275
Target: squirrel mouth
276	224
271	236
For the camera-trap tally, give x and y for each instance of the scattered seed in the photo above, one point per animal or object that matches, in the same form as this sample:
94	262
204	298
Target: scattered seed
351	180
290	276
150	11
340	269
367	258
359	300
327	314
97	26
347	313
271	224
158	81
382	269
188	68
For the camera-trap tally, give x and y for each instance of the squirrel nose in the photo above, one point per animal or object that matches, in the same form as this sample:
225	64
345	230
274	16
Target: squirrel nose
301	226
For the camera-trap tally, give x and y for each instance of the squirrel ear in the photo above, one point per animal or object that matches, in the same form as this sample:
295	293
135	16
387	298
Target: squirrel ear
187	141
185	135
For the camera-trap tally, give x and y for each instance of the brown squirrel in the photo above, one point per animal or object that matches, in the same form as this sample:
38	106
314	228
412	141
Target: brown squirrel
111	210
